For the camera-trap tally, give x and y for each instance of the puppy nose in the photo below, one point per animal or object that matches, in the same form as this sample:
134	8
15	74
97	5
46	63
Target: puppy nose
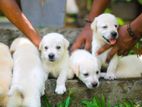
114	34
51	56
94	84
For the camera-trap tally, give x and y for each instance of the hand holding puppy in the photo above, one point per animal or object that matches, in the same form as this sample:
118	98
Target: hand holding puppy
84	39
126	40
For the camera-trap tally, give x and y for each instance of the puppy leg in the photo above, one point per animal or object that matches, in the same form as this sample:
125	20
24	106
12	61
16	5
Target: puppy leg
32	101
112	68
43	84
60	85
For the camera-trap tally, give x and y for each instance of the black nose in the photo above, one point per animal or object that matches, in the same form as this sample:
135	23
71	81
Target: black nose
94	84
114	34
51	56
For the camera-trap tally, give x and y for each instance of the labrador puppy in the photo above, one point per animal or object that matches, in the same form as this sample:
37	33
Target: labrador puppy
104	29
129	67
86	67
28	82
6	65
55	58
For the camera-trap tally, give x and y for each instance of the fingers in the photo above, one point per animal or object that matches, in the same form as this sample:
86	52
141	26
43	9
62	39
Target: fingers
87	46
111	54
123	52
103	49
77	44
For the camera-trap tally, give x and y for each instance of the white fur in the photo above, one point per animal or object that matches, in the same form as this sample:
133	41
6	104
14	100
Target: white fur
6	64
71	7
55	44
28	81
129	67
102	27
84	63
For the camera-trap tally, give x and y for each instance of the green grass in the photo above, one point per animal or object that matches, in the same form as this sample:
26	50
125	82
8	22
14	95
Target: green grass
65	103
94	102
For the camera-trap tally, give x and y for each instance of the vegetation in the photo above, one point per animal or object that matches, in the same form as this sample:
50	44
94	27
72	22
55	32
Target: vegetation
94	102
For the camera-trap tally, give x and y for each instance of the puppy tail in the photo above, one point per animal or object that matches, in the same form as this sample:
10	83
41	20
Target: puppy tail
16	97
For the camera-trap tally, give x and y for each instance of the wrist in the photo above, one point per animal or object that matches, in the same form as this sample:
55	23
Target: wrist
136	26
131	32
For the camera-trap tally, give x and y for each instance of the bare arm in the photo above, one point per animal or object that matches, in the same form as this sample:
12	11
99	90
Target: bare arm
15	15
85	37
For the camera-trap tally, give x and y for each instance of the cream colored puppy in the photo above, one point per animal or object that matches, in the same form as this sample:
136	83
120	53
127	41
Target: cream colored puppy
104	29
129	67
55	58
6	64
28	75
86	67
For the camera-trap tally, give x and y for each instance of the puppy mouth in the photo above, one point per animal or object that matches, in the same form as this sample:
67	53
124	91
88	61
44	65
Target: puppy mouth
51	60
111	41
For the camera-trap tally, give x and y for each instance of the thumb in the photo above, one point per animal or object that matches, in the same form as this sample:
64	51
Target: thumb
111	54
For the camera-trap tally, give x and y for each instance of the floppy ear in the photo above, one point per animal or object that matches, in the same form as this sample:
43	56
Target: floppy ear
75	69
94	25
66	43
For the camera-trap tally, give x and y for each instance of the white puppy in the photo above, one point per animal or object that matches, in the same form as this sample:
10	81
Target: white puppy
6	64
28	75
55	58
129	67
86	67
104	29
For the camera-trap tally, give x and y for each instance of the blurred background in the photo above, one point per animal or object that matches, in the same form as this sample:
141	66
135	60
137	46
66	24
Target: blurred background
71	13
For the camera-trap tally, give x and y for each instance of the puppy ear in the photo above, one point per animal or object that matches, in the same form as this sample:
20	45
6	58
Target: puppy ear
75	69
66	43
94	25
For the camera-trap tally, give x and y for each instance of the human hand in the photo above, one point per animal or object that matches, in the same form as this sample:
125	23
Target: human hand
36	41
84	39
123	45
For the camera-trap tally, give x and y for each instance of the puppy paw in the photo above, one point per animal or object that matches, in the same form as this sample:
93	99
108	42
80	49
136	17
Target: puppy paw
60	89
110	76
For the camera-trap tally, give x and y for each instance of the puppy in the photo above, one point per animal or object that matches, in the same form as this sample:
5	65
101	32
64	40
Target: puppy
55	58
104	29
6	65
129	67
86	67
28	75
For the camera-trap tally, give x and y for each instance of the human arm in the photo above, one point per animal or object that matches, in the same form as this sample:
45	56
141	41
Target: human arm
125	41
85	36
16	16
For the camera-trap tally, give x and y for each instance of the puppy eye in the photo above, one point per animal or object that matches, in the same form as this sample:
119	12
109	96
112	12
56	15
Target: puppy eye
45	47
116	26
58	47
86	74
104	27
97	72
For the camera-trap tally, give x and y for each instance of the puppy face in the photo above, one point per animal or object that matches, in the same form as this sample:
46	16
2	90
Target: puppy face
106	26
53	47
88	72
90	77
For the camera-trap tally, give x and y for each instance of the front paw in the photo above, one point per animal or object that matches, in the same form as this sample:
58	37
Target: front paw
110	76
60	89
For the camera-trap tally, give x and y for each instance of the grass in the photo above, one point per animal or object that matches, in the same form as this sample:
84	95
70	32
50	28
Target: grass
94	102
65	103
